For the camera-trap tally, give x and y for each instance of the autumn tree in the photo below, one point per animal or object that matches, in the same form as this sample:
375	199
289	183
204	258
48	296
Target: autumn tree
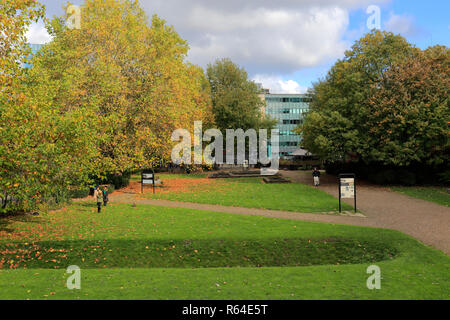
410	111
42	152
385	109
15	17
338	127
129	76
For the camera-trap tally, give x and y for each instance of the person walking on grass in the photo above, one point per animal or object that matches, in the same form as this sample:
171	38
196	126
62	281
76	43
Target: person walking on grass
316	175
105	196
98	196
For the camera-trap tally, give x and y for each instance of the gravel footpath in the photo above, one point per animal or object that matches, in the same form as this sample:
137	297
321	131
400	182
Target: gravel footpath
427	221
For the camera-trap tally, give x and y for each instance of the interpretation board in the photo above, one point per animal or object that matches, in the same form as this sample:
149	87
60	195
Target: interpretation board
148	179
347	188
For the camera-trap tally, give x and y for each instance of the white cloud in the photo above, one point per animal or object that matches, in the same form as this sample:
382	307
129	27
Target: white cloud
214	21
402	24
270	37
265	36
277	85
37	34
274	41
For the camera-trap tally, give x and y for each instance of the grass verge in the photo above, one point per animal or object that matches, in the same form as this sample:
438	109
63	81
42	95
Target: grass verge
248	193
437	195
410	270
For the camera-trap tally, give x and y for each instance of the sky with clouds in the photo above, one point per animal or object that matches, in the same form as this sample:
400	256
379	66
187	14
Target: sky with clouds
284	44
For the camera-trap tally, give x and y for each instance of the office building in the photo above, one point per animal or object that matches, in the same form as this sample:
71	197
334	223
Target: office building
289	110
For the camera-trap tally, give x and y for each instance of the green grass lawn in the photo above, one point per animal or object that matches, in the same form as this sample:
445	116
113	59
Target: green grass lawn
433	194
251	193
170	253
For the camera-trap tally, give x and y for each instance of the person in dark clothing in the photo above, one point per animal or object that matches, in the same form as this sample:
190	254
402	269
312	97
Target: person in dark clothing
316	175
105	196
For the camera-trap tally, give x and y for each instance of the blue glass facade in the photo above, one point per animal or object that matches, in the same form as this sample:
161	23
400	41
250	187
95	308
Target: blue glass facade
289	110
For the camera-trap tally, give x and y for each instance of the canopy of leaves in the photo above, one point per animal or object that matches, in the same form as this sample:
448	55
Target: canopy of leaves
41	151
15	17
130	77
237	103
102	99
385	102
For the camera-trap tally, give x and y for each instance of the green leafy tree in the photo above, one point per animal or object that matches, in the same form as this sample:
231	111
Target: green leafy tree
410	111
343	112
236	100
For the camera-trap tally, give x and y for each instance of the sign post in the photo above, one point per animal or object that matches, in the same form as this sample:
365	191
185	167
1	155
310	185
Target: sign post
347	188
246	165
147	180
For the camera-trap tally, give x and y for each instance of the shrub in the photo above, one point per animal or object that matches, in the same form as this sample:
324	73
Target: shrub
207	167
406	177
389	176
78	193
376	177
193	169
118	181
383	177
444	177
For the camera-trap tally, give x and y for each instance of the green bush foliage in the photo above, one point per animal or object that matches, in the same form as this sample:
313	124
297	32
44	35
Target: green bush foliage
384	107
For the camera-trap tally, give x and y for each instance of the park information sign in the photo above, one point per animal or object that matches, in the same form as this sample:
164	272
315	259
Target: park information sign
347	188
148	179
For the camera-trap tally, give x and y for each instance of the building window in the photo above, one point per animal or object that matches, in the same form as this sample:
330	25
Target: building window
288	144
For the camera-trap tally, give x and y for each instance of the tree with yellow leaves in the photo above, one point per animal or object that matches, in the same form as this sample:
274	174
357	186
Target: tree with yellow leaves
42	151
130	77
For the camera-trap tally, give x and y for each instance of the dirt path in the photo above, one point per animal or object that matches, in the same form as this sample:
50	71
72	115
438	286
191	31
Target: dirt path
344	219
426	221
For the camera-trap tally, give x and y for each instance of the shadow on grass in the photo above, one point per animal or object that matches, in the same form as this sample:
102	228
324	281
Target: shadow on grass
211	253
6	221
86	204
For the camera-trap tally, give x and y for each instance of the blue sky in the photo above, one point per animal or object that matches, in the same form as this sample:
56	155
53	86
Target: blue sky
285	44
422	23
